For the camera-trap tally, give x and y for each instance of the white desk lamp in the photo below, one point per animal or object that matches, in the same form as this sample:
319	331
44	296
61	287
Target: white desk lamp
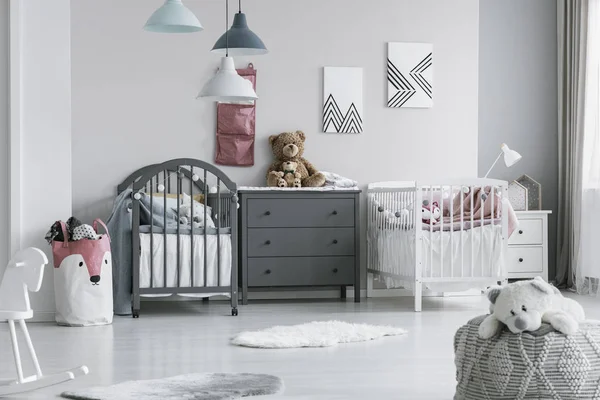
511	157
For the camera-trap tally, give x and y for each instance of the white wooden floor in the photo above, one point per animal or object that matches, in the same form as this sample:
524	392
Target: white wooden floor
178	338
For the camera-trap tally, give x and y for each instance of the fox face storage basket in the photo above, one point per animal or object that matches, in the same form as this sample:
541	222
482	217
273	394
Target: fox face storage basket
83	279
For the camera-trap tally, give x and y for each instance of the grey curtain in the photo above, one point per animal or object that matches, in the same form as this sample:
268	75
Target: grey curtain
572	45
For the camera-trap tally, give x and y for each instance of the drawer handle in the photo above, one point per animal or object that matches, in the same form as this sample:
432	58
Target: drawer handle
268	271
268	213
520	232
268	242
335	270
334	212
334	241
520	260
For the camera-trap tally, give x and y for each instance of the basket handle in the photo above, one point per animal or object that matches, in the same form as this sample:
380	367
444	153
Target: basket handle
65	234
95	226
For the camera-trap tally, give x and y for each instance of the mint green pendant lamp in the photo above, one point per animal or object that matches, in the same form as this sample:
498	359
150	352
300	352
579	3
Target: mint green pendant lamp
173	17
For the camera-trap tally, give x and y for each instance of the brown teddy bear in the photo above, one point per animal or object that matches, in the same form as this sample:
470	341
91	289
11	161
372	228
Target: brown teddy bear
289	146
291	177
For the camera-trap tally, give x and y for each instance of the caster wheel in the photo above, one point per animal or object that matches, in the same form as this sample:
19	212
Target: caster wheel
136	314
234	312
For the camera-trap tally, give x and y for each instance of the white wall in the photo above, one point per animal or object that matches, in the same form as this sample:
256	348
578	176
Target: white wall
134	91
45	135
4	129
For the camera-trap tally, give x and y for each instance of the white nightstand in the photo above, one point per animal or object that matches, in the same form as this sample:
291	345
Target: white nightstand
528	246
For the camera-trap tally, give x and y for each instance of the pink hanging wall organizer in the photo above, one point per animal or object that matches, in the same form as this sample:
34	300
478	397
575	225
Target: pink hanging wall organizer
236	128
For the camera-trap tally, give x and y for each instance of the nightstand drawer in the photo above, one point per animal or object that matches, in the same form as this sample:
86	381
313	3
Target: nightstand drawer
296	213
530	231
302	271
525	259
294	242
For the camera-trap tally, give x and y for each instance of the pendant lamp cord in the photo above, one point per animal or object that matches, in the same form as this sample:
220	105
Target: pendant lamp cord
240	5
226	28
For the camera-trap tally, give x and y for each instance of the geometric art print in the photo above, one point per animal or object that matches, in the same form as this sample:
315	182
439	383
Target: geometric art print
410	75
342	100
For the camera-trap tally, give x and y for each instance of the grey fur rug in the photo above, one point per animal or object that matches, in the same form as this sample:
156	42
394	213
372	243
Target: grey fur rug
189	387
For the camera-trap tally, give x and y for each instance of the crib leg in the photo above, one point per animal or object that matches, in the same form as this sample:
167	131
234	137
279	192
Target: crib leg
418	292
343	292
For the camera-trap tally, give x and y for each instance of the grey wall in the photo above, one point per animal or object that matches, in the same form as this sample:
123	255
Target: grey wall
4	129
517	94
133	92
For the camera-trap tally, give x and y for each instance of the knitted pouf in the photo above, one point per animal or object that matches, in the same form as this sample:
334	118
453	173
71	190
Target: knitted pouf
544	364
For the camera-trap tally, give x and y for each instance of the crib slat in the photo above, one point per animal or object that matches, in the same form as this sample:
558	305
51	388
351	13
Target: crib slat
462	239
192	227
430	236
218	232
151	233
472	234
451	206
481	244
164	233
179	198
206	187
442	232
492	194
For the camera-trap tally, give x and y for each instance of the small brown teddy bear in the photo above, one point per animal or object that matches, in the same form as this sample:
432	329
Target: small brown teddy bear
289	146
291	177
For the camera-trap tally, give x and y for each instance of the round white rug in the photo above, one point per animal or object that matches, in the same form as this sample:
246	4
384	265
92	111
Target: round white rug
313	334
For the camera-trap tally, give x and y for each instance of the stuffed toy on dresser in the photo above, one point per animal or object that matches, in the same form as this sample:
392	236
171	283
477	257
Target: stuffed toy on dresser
289	147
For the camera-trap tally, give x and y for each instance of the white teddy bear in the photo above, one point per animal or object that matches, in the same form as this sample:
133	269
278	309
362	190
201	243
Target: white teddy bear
523	306
185	213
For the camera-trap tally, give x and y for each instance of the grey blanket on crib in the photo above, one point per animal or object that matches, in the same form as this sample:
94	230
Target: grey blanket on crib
120	228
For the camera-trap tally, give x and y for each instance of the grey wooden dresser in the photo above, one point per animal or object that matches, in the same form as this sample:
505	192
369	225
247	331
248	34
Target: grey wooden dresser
299	238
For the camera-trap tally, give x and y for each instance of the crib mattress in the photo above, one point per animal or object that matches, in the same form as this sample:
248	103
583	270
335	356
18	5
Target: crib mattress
218	269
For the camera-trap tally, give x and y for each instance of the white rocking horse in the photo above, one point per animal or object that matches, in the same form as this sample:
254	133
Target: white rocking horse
25	272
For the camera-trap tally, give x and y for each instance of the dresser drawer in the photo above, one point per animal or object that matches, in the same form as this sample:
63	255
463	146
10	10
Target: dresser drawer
530	231
525	259
302	271
293	242
296	213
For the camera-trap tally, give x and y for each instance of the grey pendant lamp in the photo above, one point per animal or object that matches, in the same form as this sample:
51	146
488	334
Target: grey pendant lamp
227	85
242	41
173	17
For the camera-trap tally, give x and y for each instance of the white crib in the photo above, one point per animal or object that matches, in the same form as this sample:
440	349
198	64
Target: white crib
465	249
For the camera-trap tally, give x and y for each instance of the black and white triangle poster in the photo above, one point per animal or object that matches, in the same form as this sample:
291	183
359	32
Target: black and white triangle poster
342	100
410	75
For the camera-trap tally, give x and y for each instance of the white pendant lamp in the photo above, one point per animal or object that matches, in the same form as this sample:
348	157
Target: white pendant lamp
173	17
227	85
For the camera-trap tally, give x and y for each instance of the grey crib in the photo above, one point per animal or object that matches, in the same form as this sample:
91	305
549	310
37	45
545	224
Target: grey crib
173	179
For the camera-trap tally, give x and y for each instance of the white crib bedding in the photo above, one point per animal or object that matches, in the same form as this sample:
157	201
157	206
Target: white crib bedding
212	274
396	252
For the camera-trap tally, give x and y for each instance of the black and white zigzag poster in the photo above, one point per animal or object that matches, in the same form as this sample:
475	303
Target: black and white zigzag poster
342	100
410	75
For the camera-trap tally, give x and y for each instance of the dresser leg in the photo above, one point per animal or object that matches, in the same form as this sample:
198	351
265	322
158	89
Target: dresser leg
343	292
244	295
357	293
